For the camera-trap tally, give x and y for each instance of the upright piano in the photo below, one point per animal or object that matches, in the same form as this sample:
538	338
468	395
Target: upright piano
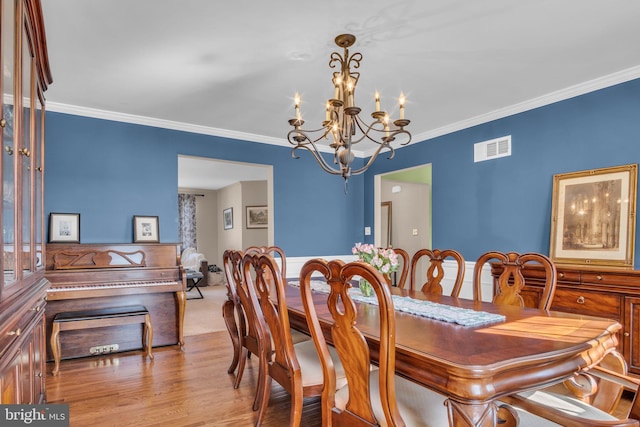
88	276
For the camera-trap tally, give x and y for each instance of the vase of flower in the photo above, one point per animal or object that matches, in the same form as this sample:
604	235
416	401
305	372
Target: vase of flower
365	288
384	260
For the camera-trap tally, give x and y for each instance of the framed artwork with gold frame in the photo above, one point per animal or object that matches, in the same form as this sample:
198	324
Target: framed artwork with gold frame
593	217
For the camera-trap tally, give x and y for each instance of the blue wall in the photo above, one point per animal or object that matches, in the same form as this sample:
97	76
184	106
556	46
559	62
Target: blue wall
505	204
110	171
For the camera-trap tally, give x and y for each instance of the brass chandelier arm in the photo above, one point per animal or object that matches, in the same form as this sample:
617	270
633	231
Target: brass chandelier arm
392	133
323	164
392	153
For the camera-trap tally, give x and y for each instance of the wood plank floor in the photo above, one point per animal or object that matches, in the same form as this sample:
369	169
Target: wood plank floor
190	388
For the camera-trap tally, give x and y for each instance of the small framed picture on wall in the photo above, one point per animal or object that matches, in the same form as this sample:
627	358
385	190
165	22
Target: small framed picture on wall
227	218
257	217
145	229
64	228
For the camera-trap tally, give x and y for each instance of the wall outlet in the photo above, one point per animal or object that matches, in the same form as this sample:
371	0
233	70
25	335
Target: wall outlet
367	231
102	349
414	232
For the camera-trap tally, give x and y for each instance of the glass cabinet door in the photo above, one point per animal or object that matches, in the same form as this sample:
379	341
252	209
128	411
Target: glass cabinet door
26	150
38	162
8	153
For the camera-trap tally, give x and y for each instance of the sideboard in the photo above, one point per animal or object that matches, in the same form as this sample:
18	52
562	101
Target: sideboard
603	292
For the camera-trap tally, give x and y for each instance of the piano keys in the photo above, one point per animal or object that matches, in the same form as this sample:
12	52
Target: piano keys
87	276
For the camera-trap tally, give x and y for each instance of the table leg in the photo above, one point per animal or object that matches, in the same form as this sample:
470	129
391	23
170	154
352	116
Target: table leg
474	415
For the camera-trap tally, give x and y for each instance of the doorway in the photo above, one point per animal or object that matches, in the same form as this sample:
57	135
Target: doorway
402	216
223	185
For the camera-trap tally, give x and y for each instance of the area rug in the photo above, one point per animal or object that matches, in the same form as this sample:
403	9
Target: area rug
205	315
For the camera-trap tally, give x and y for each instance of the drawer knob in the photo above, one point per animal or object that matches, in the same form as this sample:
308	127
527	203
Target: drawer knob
561	275
580	300
626	334
599	277
17	332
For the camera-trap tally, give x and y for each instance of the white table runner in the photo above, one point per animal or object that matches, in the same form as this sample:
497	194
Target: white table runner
431	310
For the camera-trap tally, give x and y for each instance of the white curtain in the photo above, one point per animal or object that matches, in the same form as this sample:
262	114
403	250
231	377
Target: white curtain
187	220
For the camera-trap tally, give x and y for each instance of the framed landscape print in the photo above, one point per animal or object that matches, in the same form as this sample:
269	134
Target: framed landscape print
227	218
145	229
64	227
257	217
593	217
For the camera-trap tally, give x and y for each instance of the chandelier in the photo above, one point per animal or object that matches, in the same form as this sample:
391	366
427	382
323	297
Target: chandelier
343	124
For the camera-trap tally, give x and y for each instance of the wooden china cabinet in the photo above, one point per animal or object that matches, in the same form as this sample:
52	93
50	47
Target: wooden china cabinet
613	293
25	77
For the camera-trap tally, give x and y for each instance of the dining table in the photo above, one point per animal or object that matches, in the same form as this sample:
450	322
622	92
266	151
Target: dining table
517	349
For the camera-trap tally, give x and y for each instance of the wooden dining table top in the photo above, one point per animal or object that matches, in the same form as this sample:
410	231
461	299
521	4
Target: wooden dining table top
474	365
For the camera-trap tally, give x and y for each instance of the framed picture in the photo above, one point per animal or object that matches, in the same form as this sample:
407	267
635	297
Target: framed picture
227	218
593	217
257	217
146	229
64	228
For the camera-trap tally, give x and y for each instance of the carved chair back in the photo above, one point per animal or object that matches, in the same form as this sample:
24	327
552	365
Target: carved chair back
351	345
267	288
435	270
275	252
509	284
232	311
253	337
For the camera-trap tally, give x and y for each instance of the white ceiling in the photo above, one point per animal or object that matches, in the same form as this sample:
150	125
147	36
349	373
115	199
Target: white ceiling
231	68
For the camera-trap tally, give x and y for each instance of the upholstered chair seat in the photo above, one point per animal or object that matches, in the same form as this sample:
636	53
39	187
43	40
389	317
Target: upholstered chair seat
419	406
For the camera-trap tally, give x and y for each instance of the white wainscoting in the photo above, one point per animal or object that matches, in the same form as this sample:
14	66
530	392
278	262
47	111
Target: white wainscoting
294	265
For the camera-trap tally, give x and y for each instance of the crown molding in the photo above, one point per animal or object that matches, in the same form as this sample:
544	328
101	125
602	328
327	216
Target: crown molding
561	95
550	98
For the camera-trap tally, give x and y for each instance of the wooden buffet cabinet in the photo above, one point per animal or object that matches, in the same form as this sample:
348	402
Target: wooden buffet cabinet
23	287
602	292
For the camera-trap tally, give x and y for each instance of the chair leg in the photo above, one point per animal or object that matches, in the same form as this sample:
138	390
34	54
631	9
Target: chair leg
228	311
263	377
296	408
243	360
264	395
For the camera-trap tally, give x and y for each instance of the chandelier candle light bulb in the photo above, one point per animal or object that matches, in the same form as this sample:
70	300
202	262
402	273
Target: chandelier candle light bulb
343	123
296	101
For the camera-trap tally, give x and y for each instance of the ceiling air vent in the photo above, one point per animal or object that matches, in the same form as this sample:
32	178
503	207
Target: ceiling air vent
492	149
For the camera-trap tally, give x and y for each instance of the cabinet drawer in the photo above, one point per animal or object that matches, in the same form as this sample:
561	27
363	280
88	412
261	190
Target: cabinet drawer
568	276
609	278
589	303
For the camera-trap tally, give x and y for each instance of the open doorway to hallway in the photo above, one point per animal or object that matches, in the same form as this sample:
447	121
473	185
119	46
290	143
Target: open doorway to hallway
402	217
231	187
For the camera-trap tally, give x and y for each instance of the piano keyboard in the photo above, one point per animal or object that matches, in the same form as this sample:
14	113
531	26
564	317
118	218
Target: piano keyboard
106	285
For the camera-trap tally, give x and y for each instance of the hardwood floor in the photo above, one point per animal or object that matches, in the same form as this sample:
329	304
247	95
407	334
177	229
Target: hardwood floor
190	388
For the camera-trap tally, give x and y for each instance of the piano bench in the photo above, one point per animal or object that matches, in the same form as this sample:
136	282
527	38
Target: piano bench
100	317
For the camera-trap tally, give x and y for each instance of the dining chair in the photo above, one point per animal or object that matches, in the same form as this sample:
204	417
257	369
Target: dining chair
435	270
551	408
295	366
252	338
372	397
274	251
232	311
509	284
277	252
